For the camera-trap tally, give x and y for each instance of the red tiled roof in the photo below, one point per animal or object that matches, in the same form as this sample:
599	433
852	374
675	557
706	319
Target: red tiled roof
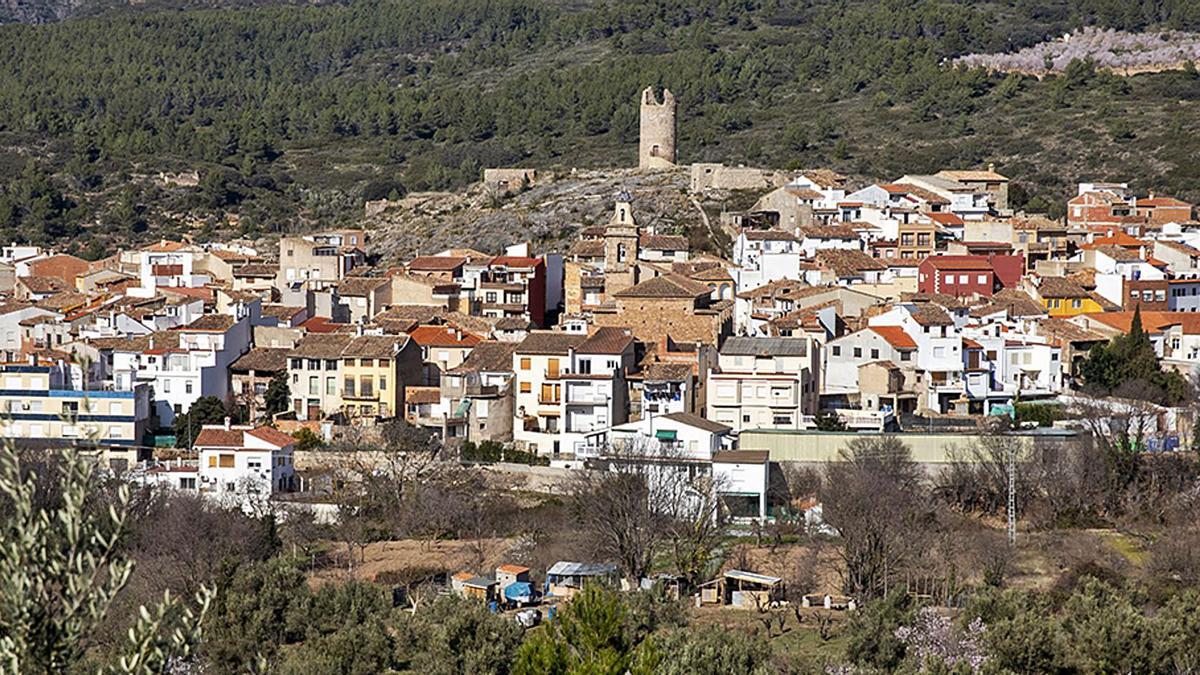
443	336
516	261
319	324
273	436
895	336
436	263
959	262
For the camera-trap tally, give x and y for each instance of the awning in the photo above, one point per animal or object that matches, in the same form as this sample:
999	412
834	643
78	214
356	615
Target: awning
665	434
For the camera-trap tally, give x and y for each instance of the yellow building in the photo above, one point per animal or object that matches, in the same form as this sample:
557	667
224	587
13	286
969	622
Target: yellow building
1063	297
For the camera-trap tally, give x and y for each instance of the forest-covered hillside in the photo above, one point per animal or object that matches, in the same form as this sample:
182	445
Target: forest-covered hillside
295	114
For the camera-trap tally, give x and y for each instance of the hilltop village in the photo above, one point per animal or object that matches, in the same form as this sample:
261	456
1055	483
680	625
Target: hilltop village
834	310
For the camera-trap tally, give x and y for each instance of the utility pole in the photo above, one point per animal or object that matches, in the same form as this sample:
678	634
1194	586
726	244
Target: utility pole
1012	494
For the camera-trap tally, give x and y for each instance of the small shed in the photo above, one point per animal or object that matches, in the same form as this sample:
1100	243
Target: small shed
470	586
739	588
565	579
507	575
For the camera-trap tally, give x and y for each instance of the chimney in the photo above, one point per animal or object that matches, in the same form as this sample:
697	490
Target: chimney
992	167
151	342
227	420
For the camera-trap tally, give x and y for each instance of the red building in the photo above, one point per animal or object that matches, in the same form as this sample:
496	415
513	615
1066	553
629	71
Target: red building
967	275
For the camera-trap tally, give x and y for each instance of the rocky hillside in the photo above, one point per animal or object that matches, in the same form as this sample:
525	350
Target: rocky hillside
548	214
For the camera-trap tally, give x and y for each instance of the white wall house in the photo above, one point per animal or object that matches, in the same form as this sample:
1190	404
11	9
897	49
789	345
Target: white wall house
764	383
244	460
939	350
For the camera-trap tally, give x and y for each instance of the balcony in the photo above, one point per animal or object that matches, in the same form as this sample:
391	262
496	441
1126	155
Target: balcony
586	398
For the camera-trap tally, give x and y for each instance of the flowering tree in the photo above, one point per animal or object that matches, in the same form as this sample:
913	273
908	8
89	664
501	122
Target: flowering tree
933	640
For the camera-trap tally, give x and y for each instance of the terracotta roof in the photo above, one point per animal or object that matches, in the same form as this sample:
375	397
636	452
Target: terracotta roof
282	312
663	242
549	342
256	270
41	285
1011	301
165	246
1153	322
973	176
774	288
63	300
697	422
361	286
826	178
587	248
742	457
1117	253
273	436
606	340
665	286
848	263
513	323
373	346
1155	202
1119	238
265	359
219	437
488	357
443	336
322	345
320	324
928	314
916	191
512	569
946	219
843	232
1067	331
436	263
768	235
520	262
1060	287
666	372
209	323
895	336
761	346
947	301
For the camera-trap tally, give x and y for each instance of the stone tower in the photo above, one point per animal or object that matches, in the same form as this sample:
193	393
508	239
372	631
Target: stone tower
656	145
620	247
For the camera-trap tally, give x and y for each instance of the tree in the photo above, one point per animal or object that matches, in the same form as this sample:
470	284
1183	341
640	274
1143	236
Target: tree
873	640
873	477
278	397
828	420
588	636
1131	358
60	570
206	410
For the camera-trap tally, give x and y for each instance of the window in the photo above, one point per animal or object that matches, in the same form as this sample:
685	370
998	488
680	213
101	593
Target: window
1076	303
331	364
982	278
874	353
348	386
964	279
367	384
939	352
526	364
314	364
225	461
585	366
526	388
331	385
949	279
296	364
382	382
781	420
314	385
858	352
166	386
212	461
745	419
837	350
905	356
187	387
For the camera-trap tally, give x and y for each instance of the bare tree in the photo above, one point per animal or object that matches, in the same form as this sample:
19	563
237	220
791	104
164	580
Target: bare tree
873	496
645	496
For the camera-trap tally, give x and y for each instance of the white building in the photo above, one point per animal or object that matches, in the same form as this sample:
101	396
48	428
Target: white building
245	460
180	365
939	351
764	383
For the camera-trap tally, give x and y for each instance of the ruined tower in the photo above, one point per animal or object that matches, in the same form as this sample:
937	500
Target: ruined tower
620	247
656	146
